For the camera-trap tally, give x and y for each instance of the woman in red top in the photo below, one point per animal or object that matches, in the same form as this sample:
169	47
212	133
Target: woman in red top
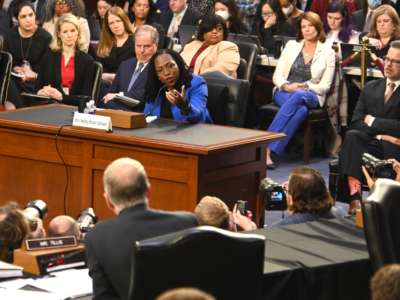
66	71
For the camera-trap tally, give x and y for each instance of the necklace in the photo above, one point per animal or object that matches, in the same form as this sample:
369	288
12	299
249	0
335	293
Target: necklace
25	55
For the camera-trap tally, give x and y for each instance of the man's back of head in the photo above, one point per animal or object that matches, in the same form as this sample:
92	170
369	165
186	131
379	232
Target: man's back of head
125	183
213	211
63	225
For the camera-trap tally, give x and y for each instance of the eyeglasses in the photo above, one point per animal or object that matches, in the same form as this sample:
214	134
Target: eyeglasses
392	61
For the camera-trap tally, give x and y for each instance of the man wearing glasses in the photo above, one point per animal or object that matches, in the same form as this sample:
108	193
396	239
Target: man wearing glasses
375	128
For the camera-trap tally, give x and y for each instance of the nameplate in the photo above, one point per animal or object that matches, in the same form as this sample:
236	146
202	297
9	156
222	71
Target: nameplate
92	121
50	243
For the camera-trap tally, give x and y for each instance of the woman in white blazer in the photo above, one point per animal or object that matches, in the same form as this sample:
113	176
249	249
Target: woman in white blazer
302	78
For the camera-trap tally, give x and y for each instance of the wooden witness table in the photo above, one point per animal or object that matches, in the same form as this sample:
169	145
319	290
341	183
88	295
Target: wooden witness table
184	161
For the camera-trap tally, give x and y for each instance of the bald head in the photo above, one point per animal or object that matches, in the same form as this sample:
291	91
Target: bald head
125	182
62	226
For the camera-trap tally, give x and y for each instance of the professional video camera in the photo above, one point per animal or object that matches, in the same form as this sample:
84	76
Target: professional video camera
86	219
273	195
378	168
35	209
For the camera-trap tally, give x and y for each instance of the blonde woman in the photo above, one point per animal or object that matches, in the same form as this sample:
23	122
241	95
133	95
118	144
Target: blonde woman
56	8
66	71
116	42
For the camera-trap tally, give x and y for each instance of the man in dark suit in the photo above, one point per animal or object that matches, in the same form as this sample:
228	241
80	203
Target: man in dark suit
131	76
375	124
109	245
179	14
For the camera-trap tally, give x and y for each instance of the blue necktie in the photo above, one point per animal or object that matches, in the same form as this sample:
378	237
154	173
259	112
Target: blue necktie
135	75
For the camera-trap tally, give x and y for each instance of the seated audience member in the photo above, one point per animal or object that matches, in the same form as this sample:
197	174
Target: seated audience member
291	11
56	8
271	22
302	78
142	12
385	28
374	128
213	211
338	28
385	284
64	225
362	18
204	7
27	44
179	14
131	76
186	293
97	19
320	7
14	228
210	52
66	71
229	12
116	42
173	92
307	197
109	243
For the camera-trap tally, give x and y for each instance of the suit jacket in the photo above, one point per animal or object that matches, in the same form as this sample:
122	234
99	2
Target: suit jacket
322	68
223	56
359	20
50	73
123	78
191	17
387	115
109	245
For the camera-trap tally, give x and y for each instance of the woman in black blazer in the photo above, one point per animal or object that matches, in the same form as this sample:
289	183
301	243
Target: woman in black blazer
66	71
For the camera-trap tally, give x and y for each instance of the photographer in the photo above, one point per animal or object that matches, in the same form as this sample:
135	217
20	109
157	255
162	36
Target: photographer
371	180
213	211
64	225
14	228
307	197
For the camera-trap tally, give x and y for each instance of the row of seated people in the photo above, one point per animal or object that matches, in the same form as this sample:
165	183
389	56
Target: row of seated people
126	194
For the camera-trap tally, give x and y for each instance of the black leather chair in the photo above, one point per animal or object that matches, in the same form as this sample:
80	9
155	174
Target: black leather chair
218	97
98	71
236	105
5	74
225	264
249	52
267	112
242	69
381	219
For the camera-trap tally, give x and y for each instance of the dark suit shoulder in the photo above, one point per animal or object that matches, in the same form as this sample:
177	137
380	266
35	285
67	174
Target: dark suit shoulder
128	62
373	84
182	216
83	57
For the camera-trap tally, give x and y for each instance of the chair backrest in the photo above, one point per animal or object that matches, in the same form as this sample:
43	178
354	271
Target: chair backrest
381	218
187	33
218	97
236	106
5	74
98	71
249	52
242	71
225	264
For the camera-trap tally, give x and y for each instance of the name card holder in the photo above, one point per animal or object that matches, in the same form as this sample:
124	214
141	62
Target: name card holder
124	119
92	121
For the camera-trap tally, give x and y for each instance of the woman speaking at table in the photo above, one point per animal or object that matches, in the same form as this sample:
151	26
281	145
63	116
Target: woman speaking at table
66	71
302	78
172	92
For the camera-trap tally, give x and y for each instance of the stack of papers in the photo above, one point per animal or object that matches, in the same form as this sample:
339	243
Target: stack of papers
9	270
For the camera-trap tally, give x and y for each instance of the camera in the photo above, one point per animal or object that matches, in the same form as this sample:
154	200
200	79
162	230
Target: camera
377	168
241	206
273	195
86	219
35	209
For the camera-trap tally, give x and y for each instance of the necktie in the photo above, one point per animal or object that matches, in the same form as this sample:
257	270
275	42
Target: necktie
174	28
390	90
135	75
367	23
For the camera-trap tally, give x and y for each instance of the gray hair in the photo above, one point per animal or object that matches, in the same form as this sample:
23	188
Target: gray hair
125	182
395	44
148	29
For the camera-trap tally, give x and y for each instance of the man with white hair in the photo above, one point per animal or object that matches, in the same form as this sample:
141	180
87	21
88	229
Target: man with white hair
109	244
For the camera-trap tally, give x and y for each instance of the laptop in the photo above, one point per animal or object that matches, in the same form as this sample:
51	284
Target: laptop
348	49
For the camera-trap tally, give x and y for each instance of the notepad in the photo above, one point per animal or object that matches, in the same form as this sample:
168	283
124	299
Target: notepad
9	270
